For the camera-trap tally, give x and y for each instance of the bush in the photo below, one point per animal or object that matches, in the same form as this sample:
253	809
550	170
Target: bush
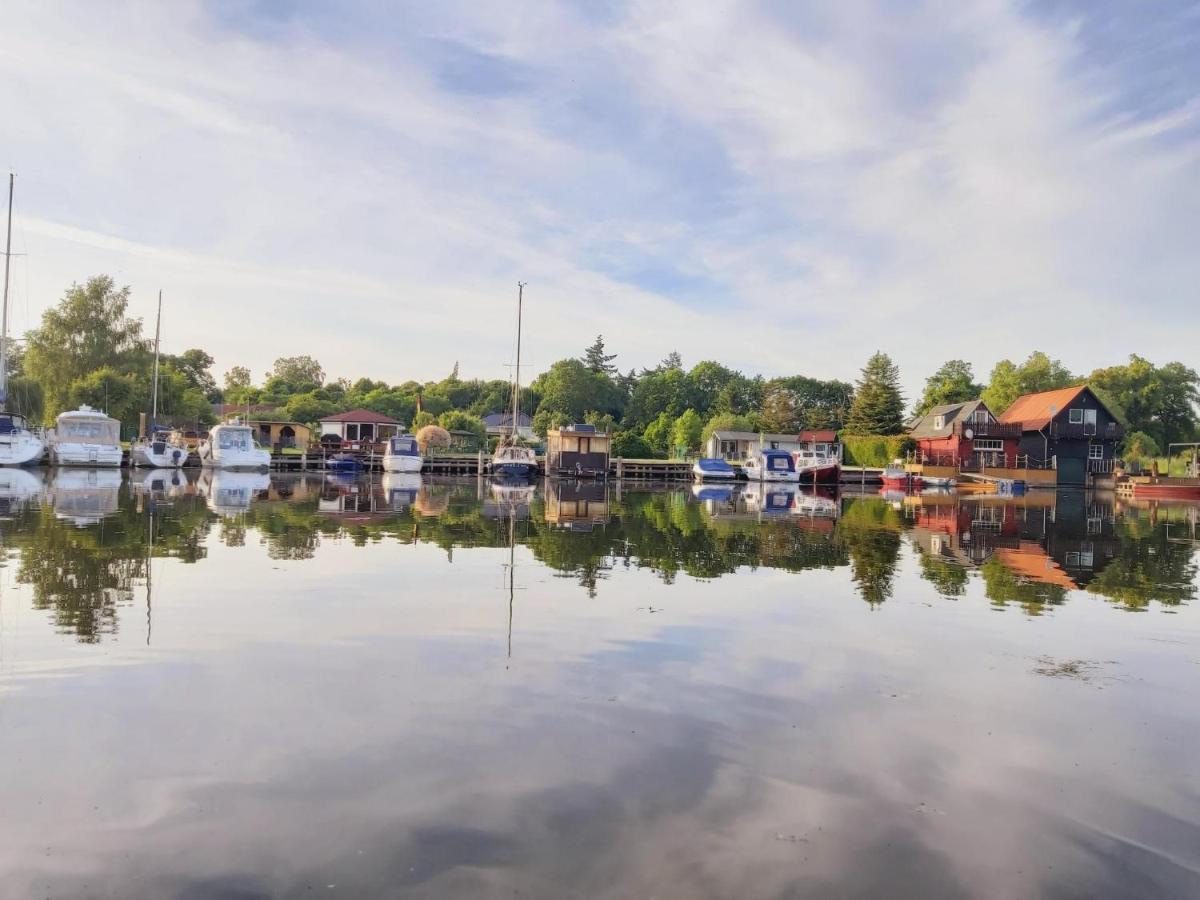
874	451
629	445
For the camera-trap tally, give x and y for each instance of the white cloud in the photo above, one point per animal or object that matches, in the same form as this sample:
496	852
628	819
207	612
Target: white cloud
945	184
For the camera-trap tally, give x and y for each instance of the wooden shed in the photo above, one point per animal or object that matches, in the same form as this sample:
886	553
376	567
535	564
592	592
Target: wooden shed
578	450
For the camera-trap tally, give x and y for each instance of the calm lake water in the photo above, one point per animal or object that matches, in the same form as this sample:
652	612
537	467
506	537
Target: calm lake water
242	686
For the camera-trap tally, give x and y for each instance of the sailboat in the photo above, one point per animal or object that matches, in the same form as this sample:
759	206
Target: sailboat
513	459
159	450
18	445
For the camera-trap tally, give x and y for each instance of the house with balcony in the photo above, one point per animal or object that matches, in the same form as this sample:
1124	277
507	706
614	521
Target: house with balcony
965	436
501	424
1070	429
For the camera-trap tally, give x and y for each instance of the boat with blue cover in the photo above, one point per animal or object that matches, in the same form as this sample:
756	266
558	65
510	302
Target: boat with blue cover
344	464
713	469
771	465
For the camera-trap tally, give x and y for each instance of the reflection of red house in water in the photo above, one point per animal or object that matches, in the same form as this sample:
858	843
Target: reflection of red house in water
965	434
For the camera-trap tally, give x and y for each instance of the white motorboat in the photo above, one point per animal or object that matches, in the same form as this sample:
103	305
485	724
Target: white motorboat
86	437
713	469
512	459
402	455
770	465
231	445
85	496
229	492
816	468
159	451
938	481
19	446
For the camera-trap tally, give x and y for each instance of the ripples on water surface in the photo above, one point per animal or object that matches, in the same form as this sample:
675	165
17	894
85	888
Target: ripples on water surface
246	686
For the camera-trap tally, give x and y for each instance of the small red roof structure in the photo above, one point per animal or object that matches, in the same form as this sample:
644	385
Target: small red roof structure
819	436
1036	410
361	415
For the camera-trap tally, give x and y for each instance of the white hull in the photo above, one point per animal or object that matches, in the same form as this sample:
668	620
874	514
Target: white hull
402	464
108	455
21	449
234	460
757	474
171	458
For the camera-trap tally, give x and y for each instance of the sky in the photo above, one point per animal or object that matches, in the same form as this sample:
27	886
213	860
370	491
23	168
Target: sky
781	186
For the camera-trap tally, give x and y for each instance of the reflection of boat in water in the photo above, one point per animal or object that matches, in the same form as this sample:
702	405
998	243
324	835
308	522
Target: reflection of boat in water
509	498
85	496
400	489
815	505
770	499
160	482
17	488
229	492
706	493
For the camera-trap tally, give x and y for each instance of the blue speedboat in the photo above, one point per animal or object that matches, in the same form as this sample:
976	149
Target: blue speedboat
344	464
713	469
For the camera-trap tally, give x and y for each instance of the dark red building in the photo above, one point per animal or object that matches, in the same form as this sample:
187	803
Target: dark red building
965	434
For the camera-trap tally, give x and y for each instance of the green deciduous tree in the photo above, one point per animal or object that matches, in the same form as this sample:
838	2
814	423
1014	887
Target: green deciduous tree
297	372
1010	381
686	431
658	434
954	382
1157	400
87	331
457	420
878	406
572	389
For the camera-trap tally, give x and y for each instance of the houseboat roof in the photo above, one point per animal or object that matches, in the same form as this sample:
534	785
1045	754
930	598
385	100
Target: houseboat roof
819	436
361	416
924	427
1037	410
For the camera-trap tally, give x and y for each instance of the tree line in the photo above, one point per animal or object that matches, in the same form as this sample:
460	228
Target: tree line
87	349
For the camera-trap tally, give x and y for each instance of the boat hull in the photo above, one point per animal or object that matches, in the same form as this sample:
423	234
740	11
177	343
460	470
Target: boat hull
402	464
768	475
514	469
92	455
1166	492
820	474
21	449
170	458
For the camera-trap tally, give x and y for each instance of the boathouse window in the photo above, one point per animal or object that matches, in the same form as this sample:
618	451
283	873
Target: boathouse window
939	421
1095	451
774	445
989	445
982	416
729	448
1076	416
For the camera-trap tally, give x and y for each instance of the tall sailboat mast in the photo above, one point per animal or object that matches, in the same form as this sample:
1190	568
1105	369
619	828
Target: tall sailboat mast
4	316
154	391
516	401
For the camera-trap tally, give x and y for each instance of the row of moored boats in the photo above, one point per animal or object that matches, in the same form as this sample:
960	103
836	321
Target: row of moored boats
806	466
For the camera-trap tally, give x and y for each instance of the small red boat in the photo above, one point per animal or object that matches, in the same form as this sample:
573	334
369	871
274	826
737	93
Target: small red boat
1168	489
895	477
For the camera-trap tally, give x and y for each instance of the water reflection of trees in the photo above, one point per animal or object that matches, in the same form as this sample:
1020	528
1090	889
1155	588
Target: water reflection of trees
1029	554
82	574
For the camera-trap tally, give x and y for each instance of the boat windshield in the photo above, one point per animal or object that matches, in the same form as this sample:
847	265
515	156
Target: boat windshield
779	463
11	422
512	452
234	439
94	431
403	446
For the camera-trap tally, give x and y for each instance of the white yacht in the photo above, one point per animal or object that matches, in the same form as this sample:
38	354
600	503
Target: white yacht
512	459
86	437
402	455
231	445
160	450
18	445
770	465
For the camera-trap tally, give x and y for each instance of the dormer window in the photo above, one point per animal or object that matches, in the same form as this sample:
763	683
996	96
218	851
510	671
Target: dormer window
939	421
982	416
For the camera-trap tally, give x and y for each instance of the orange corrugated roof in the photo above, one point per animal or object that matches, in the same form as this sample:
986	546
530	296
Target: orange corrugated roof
1035	410
1031	562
